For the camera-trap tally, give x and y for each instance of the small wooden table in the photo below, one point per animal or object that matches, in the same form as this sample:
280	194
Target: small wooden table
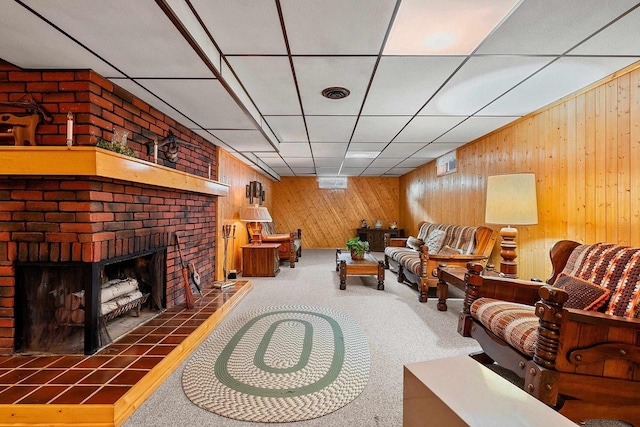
453	276
352	267
260	260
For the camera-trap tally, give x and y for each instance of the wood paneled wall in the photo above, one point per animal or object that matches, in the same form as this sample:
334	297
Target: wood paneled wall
585	152
329	217
237	174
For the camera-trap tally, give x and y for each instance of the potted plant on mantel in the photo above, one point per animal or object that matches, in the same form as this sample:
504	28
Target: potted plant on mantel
357	247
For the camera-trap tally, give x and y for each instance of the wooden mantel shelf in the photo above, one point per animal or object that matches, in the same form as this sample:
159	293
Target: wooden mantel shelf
92	161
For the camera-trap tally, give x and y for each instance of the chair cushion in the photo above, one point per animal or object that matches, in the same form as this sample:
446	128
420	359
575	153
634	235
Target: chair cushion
435	240
516	324
583	295
407	257
448	250
414	243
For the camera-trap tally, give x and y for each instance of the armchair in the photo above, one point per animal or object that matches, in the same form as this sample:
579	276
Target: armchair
584	363
290	243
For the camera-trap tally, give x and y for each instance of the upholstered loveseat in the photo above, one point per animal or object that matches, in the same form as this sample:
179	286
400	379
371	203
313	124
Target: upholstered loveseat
576	344
416	259
290	243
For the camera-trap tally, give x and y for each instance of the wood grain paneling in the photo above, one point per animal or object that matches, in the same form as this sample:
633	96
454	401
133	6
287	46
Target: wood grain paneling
237	174
329	217
583	150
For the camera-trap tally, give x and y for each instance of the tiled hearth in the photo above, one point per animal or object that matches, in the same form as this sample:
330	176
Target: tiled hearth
105	388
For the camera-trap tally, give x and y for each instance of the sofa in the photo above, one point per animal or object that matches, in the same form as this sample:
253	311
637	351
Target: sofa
290	243
416	259
574	340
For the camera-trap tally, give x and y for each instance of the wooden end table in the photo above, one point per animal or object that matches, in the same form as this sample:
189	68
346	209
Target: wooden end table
261	260
369	266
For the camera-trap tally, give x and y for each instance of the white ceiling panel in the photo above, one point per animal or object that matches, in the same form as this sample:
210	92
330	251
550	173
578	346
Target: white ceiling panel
413	162
148	97
283	171
287	128
621	38
243	140
436	149
329	149
329	162
427	128
274	162
481	80
243	26
551	27
108	28
269	81
351	171
295	149
203	101
554	82
386	162
304	171
474	127
328	171
212	139
398	171
367	146
315	74
29	51
330	128
378	128
400	149
402	85
299	162
357	162
322	27
374	171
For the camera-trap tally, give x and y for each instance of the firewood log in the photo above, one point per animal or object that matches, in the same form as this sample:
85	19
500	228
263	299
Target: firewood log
77	316
73	302
62	315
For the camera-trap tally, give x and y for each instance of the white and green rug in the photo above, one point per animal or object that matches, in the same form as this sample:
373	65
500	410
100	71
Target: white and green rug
280	364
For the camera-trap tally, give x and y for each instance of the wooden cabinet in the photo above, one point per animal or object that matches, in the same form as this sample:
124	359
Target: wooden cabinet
260	260
375	236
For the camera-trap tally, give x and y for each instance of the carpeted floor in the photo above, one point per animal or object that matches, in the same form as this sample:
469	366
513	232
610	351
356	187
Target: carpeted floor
398	328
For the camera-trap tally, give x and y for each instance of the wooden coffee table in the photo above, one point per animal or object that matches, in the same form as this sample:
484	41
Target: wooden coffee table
369	266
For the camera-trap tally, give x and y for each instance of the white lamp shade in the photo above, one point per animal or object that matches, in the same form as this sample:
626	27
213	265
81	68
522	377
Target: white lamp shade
511	199
256	214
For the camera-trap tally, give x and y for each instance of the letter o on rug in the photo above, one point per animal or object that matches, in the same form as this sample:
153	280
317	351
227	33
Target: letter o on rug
279	364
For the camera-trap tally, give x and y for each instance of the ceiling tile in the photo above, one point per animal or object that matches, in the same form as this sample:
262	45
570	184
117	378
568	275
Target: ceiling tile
283	171
333	162
212	139
288	128
269	81
328	171
351	171
357	162
205	102
436	149
108	28
444	27
304	171
481	80
329	149
402	85
398	171
474	127
274	162
315	74
336	26
367	146
378	128
29	51
299	162
330	128
374	171
560	79
543	27
427	128
243	140
400	149
413	162
386	163
243	26
295	149
621	38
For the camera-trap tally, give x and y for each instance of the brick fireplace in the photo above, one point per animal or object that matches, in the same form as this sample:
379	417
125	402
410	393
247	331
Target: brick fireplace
86	220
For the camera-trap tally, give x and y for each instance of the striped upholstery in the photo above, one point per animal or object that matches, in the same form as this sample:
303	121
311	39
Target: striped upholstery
516	324
614	267
457	237
407	257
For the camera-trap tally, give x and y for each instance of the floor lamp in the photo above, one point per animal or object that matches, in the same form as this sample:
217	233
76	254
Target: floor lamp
511	199
255	216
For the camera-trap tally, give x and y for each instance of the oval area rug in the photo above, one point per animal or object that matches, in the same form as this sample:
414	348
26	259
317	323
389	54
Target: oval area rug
279	364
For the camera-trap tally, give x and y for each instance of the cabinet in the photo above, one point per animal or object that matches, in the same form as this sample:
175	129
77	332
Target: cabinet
375	236
260	260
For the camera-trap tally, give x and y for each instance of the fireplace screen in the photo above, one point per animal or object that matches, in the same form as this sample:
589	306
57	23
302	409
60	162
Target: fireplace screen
80	307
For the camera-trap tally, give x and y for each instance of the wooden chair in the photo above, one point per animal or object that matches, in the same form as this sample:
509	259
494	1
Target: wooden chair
585	364
290	243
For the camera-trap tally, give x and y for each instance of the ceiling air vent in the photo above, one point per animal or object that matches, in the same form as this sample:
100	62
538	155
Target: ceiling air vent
335	92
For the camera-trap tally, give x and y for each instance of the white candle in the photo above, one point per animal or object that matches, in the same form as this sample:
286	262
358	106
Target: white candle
209	170
155	151
69	128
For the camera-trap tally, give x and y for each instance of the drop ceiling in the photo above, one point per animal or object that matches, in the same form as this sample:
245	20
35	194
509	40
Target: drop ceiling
425	76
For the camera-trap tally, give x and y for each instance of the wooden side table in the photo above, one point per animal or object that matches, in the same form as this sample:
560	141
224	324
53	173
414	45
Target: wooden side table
260	260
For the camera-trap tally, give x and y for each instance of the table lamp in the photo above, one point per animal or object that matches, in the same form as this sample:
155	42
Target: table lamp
511	200
255	216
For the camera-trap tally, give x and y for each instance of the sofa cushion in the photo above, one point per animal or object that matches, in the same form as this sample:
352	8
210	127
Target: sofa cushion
435	240
457	237
448	250
406	257
583	295
517	324
414	243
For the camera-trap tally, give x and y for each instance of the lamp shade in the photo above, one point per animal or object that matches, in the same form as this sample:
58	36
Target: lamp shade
511	199
256	214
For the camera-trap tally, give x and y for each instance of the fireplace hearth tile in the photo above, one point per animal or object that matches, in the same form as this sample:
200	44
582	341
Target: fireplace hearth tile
67	361
15	393
107	395
137	349
113	349
42	362
173	339
43	395
16	361
164	330
71	376
146	362
42	377
151	339
129	377
16	375
161	350
120	362
75	395
94	362
130	339
101	376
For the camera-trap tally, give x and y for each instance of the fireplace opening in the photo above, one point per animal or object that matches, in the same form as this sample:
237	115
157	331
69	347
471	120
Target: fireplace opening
67	308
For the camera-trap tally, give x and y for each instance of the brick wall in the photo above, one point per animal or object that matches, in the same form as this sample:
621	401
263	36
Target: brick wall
59	219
